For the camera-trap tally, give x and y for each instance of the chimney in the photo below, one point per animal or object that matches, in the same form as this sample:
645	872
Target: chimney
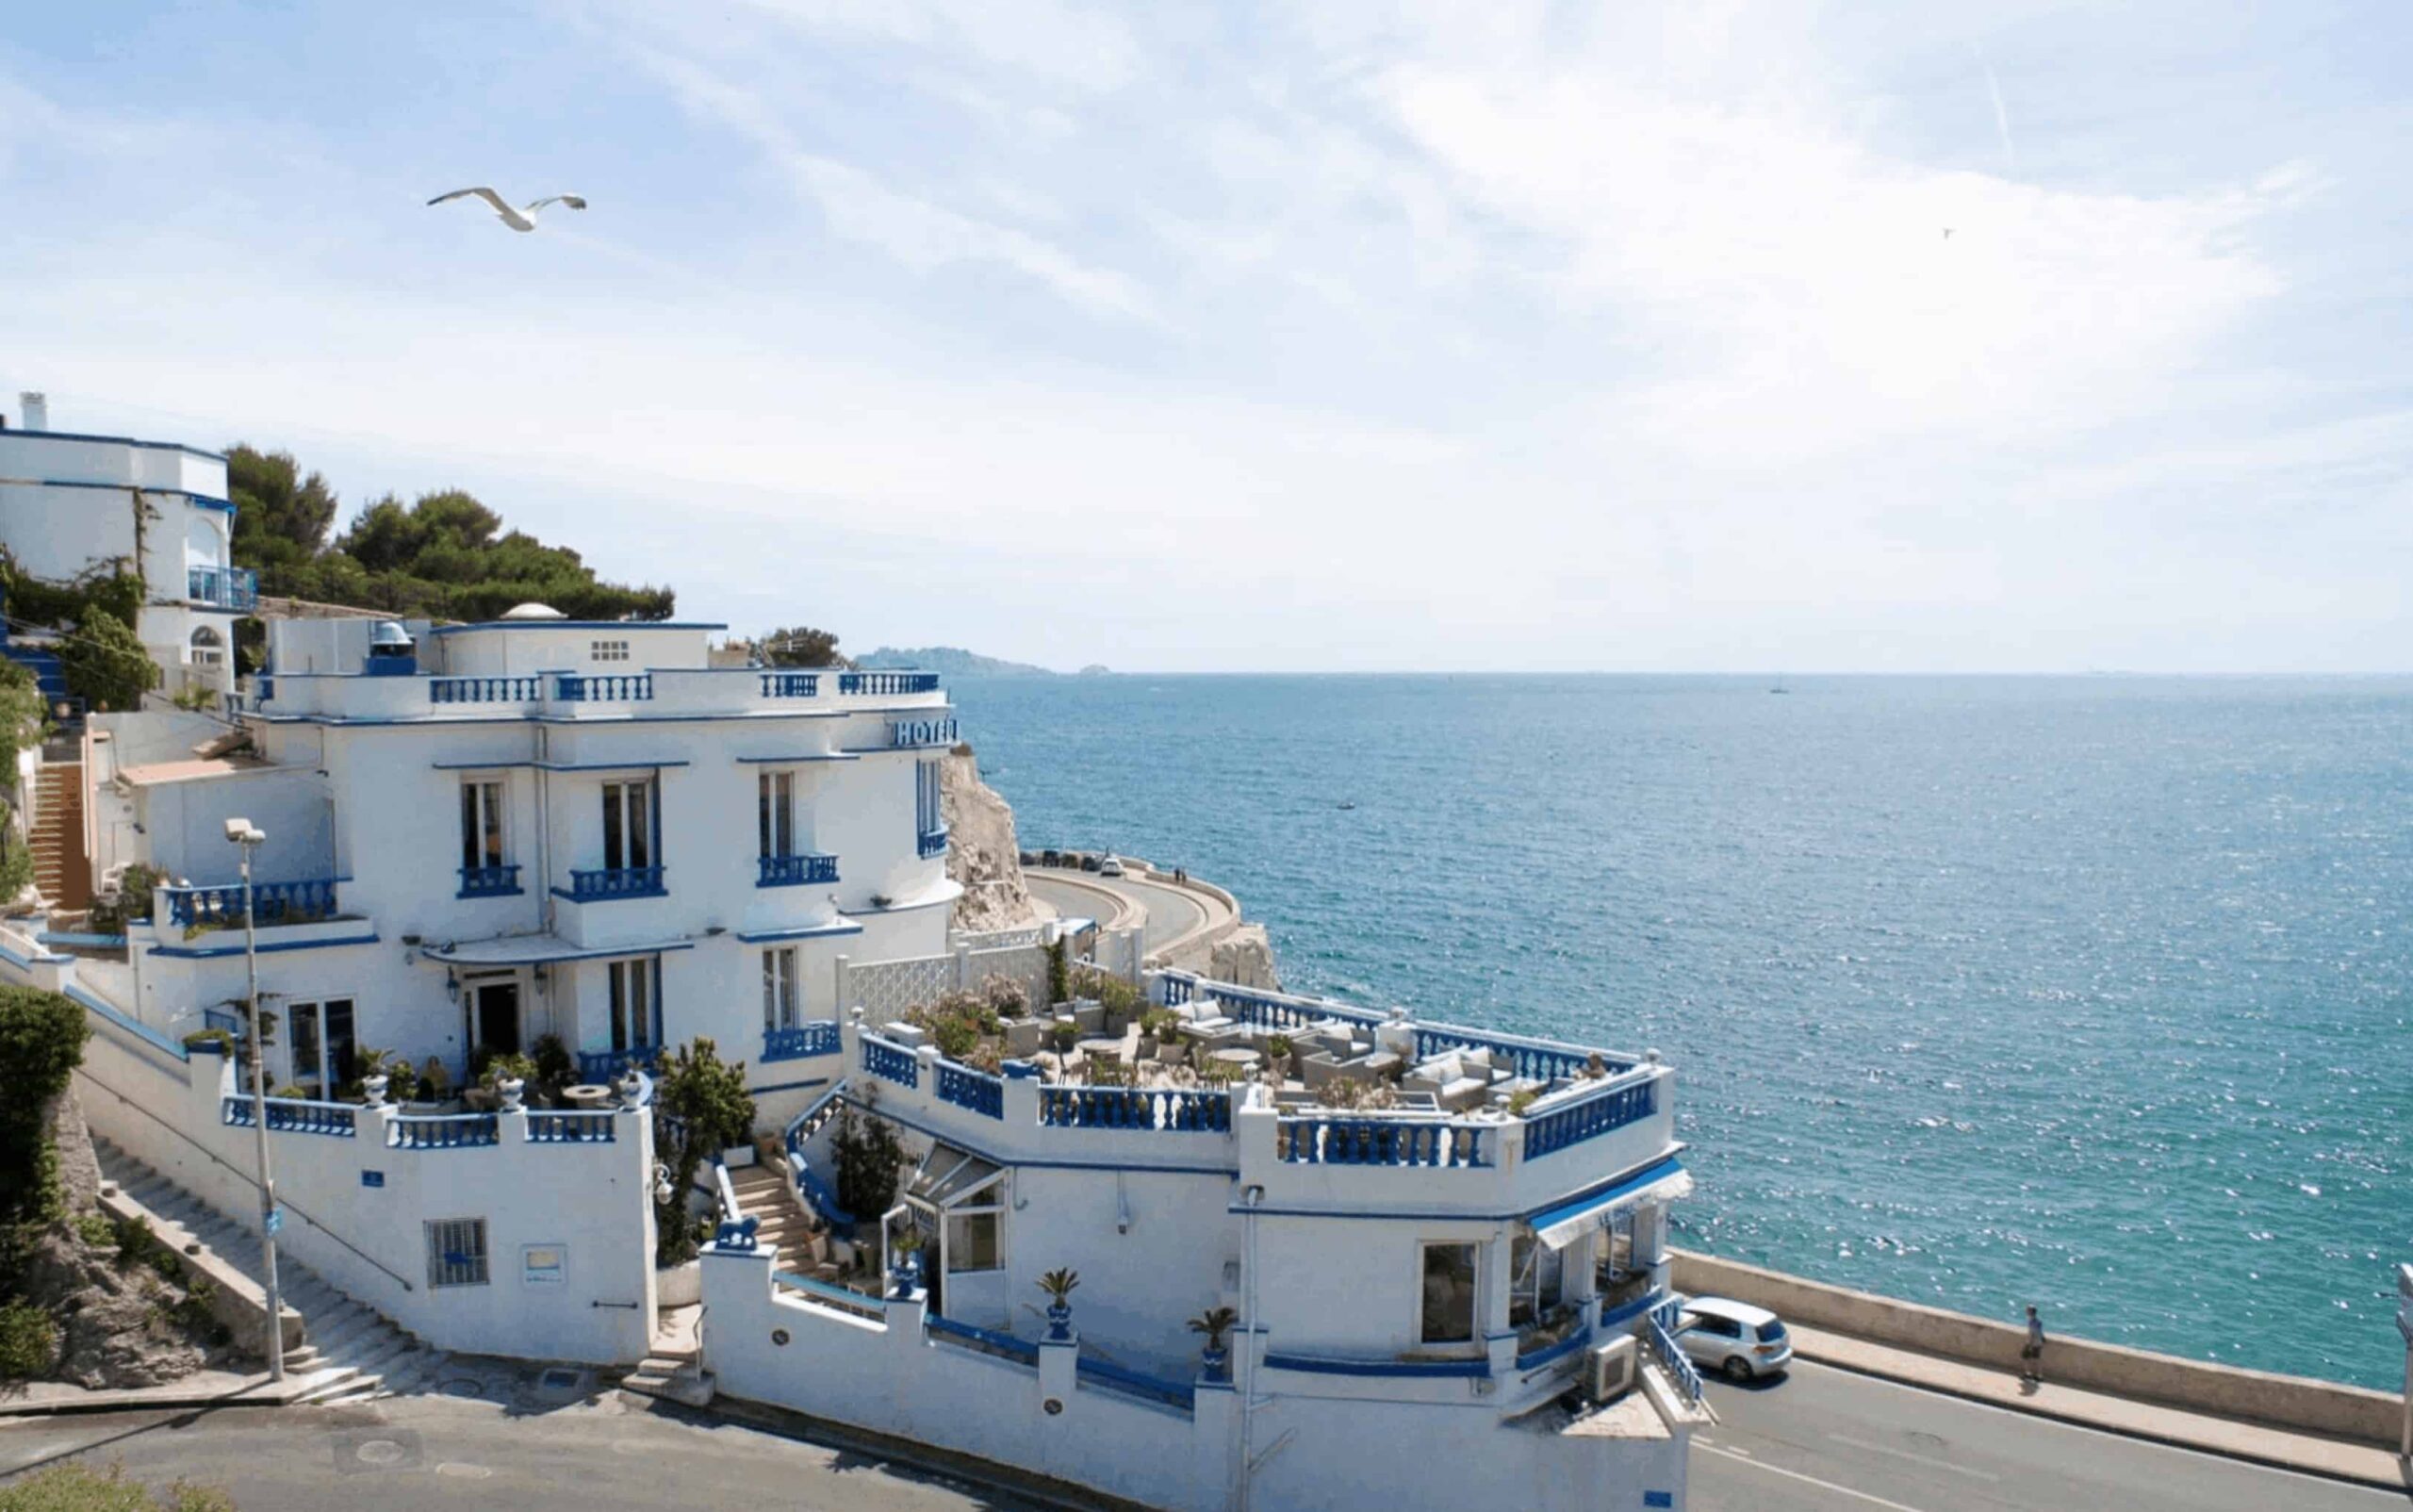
36	410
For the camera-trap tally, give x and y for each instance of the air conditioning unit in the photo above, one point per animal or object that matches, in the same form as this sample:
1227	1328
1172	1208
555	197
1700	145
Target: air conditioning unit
1609	1369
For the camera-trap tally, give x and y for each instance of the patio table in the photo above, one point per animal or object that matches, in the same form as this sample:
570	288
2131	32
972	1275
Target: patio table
587	1095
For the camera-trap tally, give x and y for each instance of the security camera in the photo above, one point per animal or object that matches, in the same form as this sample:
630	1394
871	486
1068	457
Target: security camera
236	830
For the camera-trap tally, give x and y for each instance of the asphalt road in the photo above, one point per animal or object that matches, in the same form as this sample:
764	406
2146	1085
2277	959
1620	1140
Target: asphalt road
410	1452
1828	1440
1172	911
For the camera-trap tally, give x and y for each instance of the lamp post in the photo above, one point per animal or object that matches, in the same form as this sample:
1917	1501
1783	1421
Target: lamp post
240	833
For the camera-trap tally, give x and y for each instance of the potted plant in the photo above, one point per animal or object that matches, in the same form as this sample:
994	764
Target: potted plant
1058	1285
1216	1323
507	1076
1277	1053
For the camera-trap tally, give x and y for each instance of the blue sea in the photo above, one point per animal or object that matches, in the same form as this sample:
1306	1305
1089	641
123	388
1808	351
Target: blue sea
2092	992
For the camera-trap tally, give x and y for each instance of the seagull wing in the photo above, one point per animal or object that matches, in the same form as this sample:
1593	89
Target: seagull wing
486	194
576	202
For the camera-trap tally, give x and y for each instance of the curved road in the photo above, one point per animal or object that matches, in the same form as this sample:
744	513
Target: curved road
1172	913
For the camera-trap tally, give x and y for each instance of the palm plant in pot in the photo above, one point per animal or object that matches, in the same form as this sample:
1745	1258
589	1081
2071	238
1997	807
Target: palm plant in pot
1216	1323
1058	1285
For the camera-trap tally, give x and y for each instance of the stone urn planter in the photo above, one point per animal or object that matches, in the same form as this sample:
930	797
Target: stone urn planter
680	1286
513	1091
374	1088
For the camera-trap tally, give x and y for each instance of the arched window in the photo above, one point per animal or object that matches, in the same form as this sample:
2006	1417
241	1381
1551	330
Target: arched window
208	647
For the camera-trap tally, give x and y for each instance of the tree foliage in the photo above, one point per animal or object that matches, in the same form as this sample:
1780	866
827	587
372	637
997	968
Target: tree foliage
77	1487
104	663
705	1109
41	1042
799	646
445	556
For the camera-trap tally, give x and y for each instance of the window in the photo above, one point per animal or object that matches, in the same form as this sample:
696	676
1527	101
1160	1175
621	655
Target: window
929	822
319	1045
972	1241
778	988
628	826
775	799
208	647
635	1013
1538	1277
1448	1295
456	1253
607	650
1616	1255
481	825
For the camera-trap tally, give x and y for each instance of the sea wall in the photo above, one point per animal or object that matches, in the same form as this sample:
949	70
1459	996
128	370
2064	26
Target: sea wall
2255	1396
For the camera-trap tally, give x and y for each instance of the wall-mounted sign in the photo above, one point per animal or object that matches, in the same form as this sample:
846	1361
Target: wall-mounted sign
544	1265
372	1179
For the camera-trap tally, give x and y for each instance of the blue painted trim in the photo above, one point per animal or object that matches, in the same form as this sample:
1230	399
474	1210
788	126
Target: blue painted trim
788	1086
809	932
1426	1215
1636	1309
795	760
1599	1198
589	624
553	767
897	908
198	500
26	963
207	609
139	1030
188	953
105	941
615	898
1309	1364
118	440
955	1137
582	953
1549	1354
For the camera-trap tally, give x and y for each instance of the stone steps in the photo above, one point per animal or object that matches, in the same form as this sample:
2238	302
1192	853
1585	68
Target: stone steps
349	1350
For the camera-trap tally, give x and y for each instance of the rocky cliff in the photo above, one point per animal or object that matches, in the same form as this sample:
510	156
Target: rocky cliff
981	851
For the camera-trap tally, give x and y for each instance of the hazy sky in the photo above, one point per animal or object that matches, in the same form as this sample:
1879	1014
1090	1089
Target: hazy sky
1313	335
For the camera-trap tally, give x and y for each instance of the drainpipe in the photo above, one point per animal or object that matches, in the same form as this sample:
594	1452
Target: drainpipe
1253	1196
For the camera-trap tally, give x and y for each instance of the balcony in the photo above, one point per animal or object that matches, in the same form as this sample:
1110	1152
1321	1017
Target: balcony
490	881
603	687
602	1067
931	843
794	871
608	883
272	903
886	683
800	1041
791	684
222	587
482	689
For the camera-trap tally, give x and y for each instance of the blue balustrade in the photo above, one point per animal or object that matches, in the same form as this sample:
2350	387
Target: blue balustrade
1541	1355
791	684
606	883
224	587
1153	1108
1661	1332
888	682
490	881
1592	1117
873	1307
526	689
967	1087
446	1131
1176	988
603	687
906	733
1113	1377
1267	1010
295	1115
599	1068
272	903
573	1125
928	842
989	1340
800	1041
891	1062
794	871
1539	1060
1339	1140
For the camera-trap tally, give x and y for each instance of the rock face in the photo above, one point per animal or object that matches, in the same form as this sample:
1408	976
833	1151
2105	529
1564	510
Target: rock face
1244	958
981	852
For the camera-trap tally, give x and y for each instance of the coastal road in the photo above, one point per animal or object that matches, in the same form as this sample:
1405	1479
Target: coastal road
1173	911
1826	1441
407	1453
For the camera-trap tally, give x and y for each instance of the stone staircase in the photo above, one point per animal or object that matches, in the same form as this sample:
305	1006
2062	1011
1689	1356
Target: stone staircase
674	1367
60	869
349	1352
765	1195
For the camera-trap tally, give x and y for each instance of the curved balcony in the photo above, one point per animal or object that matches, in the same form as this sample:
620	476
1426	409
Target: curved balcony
607	883
794	871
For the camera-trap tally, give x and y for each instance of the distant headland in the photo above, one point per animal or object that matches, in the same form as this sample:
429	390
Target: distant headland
954	661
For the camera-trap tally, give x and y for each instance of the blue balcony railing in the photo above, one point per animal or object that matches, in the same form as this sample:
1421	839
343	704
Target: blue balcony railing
443	1131
1590	1118
272	903
975	1090
573	1125
484	689
490	881
603	687
1135	1108
294	1115
605	883
1342	1140
801	1040
599	1068
905	735
1661	1332
892	1062
791	684
931	843
888	682
222	587
792	871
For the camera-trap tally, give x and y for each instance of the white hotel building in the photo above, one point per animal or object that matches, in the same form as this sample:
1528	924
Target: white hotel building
484	833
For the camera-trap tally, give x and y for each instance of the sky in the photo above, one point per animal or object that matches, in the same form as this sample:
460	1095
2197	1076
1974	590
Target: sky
1335	336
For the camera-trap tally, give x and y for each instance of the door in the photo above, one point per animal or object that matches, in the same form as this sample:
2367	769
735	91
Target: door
494	1016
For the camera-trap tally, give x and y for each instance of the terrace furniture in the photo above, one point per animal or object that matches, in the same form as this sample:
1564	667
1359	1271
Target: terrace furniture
1238	1057
1462	1093
1025	1037
588	1095
1102	1049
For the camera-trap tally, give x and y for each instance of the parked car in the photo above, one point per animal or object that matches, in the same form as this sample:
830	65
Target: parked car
1111	866
1734	1338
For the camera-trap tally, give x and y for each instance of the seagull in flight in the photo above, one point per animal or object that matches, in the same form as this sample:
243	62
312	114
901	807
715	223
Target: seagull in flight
519	220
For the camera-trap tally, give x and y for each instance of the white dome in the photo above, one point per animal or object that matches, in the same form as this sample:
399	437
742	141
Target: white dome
534	611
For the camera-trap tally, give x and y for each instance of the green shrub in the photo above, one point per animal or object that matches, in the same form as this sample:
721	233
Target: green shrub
707	1109
41	1042
77	1487
28	1343
104	663
96	1230
555	1066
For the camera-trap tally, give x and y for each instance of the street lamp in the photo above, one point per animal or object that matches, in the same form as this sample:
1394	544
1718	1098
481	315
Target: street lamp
240	833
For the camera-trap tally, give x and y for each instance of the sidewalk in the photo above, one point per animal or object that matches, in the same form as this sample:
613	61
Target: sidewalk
2091	1410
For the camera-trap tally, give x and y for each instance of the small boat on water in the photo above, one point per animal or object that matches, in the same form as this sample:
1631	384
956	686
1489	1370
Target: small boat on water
1346	805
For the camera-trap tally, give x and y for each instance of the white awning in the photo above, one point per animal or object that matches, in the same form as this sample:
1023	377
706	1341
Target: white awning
1567	1223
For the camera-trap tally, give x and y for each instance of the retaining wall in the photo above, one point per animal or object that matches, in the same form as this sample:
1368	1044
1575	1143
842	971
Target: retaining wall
2291	1402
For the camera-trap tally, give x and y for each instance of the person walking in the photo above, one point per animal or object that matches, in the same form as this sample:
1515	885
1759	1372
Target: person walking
2031	1354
